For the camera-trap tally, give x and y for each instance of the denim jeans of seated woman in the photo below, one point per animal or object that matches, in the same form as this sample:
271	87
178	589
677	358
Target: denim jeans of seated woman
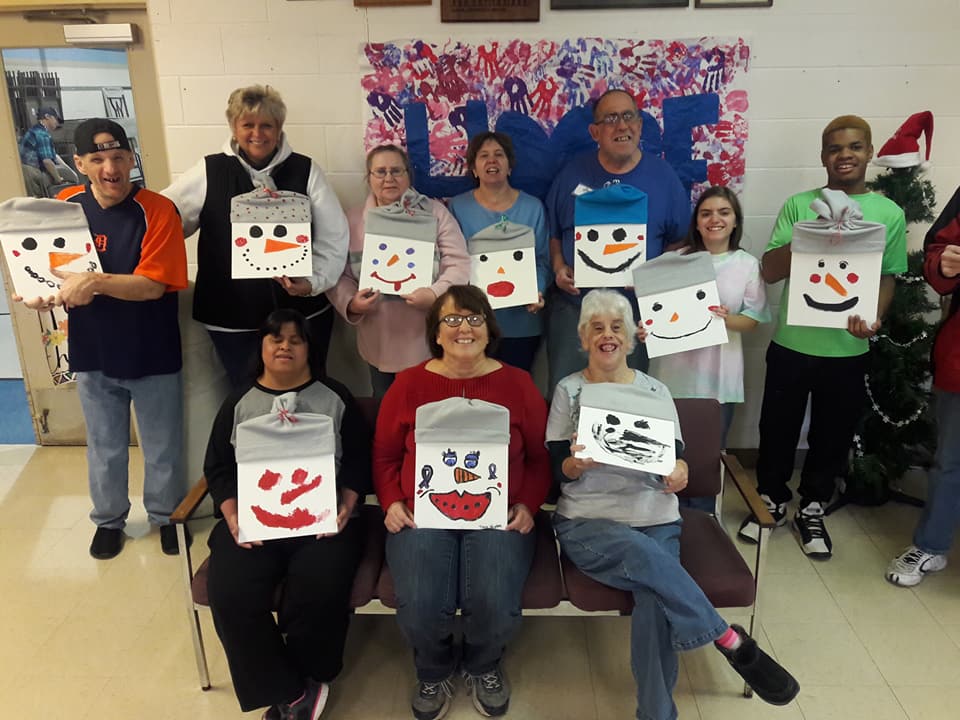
670	612
480	571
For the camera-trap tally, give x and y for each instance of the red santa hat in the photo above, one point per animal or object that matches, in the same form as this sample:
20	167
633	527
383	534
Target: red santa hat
903	149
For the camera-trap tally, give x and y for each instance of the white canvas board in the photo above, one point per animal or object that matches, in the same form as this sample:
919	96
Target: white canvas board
394	265
285	498
508	277
461	486
682	319
826	289
30	255
605	255
266	250
629	441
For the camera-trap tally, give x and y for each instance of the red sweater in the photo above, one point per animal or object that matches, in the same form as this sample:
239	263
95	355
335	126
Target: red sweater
394	451
946	350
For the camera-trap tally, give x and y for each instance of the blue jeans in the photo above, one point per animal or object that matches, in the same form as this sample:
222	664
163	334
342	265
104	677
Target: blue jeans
480	571
941	514
670	611
158	402
517	351
564	354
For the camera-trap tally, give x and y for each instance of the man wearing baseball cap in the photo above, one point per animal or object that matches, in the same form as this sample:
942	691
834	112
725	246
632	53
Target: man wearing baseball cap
37	154
125	337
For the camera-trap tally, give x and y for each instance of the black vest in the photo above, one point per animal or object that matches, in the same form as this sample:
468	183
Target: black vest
218	299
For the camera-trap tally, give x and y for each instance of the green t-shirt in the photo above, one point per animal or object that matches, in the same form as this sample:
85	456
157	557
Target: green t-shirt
835	342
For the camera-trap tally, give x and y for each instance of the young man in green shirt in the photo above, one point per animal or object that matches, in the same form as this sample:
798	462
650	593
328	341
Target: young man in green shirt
825	364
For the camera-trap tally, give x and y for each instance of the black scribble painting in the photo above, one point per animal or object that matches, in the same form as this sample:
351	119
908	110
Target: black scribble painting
628	442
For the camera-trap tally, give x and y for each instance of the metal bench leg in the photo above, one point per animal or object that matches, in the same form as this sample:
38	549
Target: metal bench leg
192	616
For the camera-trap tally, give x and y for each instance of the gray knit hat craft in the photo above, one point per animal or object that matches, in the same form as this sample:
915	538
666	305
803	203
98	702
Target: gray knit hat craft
270	206
257	439
839	228
503	235
410	217
40	215
633	399
672	271
460	419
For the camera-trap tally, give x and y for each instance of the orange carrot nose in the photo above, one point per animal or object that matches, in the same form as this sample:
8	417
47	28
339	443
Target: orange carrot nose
835	285
59	259
501	271
271	245
393	260
674	317
617	247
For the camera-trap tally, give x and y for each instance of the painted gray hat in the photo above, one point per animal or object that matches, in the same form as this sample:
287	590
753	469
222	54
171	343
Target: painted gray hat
634	399
460	419
839	228
672	271
256	439
270	206
40	215
410	217
504	235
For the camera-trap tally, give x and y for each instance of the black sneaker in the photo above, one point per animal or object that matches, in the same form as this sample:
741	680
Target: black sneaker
431	700
814	539
769	680
168	539
490	692
308	706
271	713
750	530
107	543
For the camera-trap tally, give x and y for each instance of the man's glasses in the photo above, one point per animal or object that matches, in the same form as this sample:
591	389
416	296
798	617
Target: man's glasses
627	116
392	172
454	321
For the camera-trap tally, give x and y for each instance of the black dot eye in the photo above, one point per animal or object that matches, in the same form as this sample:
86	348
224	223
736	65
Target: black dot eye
518	255
483	258
59	242
593	235
701	294
820	263
613	419
256	231
843	264
28	244
619	234
657	307
280	231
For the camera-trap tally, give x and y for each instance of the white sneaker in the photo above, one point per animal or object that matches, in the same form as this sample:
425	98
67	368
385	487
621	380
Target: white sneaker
814	538
909	567
750	530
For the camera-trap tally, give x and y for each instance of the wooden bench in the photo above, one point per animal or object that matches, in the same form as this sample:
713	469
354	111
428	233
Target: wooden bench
706	551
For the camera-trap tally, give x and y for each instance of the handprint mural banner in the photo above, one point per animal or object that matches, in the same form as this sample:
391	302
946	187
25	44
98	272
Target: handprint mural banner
432	97
286	473
461	461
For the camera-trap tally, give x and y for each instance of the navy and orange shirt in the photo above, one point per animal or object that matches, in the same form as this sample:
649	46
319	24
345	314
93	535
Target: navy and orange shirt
126	339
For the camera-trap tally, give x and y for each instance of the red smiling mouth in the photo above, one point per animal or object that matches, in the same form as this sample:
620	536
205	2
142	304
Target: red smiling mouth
299	518
461	506
396	283
503	288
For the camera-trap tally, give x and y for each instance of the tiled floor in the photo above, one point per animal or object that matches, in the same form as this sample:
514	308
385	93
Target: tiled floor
109	640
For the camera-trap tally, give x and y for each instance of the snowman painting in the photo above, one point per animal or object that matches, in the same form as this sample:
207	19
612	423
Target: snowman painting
835	265
40	235
677	297
399	249
503	264
270	235
610	236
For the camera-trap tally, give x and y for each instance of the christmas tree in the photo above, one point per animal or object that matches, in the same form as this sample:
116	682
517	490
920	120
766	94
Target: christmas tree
897	429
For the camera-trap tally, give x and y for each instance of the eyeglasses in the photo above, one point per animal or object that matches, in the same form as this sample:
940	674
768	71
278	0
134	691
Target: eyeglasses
455	321
392	172
627	116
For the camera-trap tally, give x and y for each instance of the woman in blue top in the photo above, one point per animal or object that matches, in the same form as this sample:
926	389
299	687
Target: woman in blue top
490	158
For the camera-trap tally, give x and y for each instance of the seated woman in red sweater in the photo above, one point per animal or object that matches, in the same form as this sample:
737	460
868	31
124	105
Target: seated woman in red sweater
480	571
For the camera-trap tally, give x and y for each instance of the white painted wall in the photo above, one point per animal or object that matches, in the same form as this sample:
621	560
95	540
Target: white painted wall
812	60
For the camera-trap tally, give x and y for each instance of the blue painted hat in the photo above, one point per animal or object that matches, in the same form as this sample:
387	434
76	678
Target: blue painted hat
619	203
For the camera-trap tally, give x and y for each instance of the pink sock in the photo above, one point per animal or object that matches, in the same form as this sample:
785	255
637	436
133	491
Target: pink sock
730	640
